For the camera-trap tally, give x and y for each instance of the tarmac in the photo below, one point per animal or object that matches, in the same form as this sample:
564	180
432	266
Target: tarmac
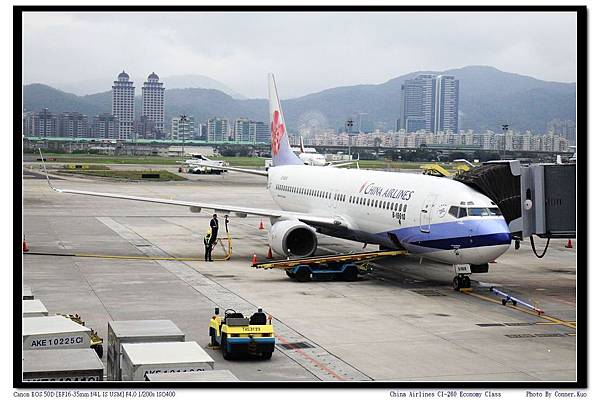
402	322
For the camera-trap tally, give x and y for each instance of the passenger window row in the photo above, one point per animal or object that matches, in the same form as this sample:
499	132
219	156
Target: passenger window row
375	203
383	204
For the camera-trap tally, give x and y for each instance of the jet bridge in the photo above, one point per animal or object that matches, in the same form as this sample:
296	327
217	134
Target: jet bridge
536	199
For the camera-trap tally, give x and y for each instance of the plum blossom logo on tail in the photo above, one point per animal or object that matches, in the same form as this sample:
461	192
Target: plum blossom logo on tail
277	131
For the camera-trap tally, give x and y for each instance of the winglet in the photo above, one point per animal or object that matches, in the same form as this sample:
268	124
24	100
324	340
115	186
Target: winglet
46	172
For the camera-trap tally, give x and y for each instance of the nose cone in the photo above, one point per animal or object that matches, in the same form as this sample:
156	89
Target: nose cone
494	237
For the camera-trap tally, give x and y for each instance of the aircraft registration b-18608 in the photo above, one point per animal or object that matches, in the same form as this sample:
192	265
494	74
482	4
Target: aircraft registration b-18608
435	218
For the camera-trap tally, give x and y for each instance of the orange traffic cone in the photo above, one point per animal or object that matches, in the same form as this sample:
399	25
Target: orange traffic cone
270	254
261	226
25	246
569	244
254	259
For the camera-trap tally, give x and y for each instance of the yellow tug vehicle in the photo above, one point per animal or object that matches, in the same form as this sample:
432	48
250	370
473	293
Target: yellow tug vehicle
239	335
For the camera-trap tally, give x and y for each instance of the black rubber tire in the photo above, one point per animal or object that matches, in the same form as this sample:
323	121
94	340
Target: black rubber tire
466	282
456	283
350	273
503	302
99	350
226	354
514	302
290	274
213	337
303	274
266	356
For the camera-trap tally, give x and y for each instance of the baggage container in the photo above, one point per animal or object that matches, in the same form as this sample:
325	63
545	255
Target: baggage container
54	332
142	331
219	375
27	293
142	359
34	308
62	365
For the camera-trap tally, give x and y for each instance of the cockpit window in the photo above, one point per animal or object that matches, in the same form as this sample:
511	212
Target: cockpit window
457	212
461	212
495	211
478	212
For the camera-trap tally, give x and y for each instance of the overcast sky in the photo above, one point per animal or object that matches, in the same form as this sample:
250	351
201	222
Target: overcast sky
308	52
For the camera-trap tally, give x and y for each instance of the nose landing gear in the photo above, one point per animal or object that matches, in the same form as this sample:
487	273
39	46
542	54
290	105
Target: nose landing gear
461	279
461	282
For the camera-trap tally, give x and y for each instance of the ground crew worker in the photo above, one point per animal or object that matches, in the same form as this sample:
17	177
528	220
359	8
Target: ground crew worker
214	227
208	246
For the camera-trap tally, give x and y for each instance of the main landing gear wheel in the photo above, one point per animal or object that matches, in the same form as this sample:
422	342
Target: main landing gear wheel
461	282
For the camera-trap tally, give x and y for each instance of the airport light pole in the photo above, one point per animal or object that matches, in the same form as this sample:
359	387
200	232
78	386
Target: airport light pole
505	130
349	125
182	121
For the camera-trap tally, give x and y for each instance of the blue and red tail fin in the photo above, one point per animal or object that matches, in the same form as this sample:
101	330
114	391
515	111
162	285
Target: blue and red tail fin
281	152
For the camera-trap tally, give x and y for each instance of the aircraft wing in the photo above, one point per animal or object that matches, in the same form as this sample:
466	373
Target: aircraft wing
342	163
197	206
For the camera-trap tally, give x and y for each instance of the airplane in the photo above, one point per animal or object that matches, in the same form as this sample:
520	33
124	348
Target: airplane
434	218
200	164
311	157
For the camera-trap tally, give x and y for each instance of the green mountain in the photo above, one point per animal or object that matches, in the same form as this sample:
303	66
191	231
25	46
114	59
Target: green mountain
488	98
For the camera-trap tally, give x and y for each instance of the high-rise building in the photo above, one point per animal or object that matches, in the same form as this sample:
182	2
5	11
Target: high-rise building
183	128
105	126
123	104
563	128
429	103
40	124
218	129
417	104
73	125
241	131
260	132
446	104
153	102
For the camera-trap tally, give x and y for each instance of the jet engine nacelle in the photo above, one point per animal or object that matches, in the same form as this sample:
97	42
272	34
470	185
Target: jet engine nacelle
292	238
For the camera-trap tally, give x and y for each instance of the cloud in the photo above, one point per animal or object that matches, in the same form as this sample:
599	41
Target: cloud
308	51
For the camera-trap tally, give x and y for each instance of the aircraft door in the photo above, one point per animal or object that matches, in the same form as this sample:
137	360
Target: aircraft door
426	213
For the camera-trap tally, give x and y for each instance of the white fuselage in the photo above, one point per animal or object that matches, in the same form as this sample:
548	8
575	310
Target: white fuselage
314	159
420	213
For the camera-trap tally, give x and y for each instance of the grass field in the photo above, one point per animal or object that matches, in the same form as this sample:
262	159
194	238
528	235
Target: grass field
255	162
126	175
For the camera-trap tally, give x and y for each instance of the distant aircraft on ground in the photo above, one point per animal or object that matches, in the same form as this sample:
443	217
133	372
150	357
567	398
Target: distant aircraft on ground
435	218
200	164
309	156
